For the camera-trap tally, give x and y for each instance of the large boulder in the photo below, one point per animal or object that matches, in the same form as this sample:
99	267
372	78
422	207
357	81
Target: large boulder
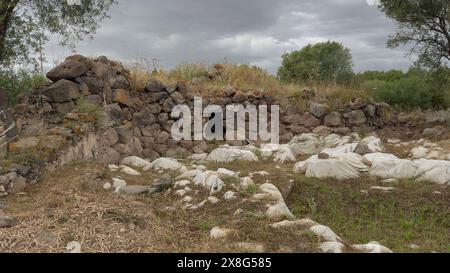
143	119
319	110
309	120
154	85
333	119
68	70
62	91
356	118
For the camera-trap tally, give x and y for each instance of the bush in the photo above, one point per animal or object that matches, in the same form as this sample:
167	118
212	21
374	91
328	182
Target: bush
418	89
325	62
18	83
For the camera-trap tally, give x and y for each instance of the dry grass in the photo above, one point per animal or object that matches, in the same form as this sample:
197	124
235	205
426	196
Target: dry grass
69	206
206	79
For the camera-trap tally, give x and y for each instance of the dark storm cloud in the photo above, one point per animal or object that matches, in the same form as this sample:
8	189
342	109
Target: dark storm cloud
244	31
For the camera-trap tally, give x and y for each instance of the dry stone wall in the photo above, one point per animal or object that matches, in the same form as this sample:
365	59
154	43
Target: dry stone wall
59	124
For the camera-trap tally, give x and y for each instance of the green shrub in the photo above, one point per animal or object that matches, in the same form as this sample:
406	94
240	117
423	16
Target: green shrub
17	83
418	89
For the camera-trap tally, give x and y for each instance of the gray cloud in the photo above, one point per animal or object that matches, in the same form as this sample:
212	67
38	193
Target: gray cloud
244	31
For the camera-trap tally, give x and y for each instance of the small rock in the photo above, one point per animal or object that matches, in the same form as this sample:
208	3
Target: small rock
303	223
230	196
332	247
251	247
107	186
383	189
73	247
118	183
180	193
213	200
188	199
8	221
130	171
325	233
182	183
113	168
279	210
219	233
135	190
246	183
372	247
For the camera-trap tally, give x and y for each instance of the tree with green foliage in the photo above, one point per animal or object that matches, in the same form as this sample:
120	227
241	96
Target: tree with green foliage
424	24
26	25
329	61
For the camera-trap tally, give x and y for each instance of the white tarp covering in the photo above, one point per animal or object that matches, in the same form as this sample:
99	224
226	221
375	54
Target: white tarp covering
228	154
342	167
397	169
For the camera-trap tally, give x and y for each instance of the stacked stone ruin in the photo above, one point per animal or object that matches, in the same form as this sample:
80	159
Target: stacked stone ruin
139	123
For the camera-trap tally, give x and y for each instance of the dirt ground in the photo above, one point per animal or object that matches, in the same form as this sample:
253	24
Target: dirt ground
67	206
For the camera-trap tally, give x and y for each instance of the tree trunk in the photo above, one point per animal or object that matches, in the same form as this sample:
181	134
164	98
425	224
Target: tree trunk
6	12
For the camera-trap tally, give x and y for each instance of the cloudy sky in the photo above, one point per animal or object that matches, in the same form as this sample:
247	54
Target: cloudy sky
257	32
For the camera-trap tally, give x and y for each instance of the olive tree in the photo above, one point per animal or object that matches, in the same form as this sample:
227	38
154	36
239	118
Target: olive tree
422	24
26	25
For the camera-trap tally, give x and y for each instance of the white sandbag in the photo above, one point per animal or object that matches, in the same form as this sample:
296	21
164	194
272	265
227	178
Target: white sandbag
340	150
284	154
267	150
305	144
134	161
418	152
225	173
397	169
377	157
436	171
302	166
374	144
168	164
189	174
344	167
228	154
210	181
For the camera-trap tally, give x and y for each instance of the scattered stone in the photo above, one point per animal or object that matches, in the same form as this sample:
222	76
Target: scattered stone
246	183
129	171
8	221
251	247
180	193
325	233
383	189
107	186
230	196
188	199
279	210
118	183
135	190
213	200
73	247
219	233
303	223
113	168
225	173
413	246
182	183
431	132
332	247
372	247
134	161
